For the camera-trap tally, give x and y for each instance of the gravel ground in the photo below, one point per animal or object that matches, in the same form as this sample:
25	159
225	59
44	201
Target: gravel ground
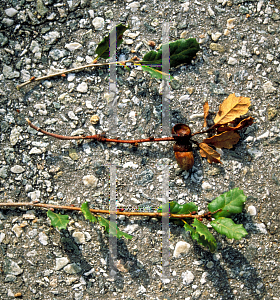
240	56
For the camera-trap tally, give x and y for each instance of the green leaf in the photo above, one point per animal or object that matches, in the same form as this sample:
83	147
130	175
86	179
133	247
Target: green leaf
103	47
58	220
202	235
182	51
87	214
228	228
113	229
231	202
187	208
157	74
176	208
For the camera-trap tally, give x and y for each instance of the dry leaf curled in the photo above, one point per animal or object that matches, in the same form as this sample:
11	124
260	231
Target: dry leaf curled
244	123
232	108
223	140
209	153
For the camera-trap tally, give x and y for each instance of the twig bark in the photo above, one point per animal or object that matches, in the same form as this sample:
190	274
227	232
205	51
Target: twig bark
32	79
98	137
101	211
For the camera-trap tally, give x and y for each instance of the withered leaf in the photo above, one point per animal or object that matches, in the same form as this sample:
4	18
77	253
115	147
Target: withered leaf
244	123
223	140
232	108
206	112
209	153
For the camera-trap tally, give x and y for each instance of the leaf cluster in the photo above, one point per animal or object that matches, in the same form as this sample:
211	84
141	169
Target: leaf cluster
220	211
226	125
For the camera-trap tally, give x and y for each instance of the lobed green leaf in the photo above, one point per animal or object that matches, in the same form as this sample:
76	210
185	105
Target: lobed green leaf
113	229
202	235
231	202
228	228
87	214
58	220
182	51
103	47
176	208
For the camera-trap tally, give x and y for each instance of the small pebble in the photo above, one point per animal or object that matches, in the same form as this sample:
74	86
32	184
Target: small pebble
98	23
72	269
61	262
252	210
73	46
79	237
17	169
232	61
94	119
90	180
188	277
216	36
181	248
82	87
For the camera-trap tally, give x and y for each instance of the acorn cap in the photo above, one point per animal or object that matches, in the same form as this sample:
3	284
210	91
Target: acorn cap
181	132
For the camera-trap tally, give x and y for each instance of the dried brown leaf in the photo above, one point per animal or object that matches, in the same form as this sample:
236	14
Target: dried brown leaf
223	140
232	108
244	123
209	153
206	112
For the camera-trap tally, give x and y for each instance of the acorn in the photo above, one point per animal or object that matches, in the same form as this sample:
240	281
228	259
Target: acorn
183	147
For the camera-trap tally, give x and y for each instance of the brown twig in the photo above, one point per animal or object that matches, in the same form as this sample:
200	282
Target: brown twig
32	79
97	137
101	211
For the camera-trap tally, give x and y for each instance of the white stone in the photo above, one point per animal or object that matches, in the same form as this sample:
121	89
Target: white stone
269	57
265	135
134	6
91	13
130	164
203	277
35	195
35	150
72	269
79	237
90	180
211	11
17	169
215	36
2	236
185	6
188	277
61	262
206	186
230	23
43	239
73	46
252	210
8	22
51	36
17	230
181	248
184	98
72	116
268	87
89	104
71	76
82	87
128	41
261	227
10	12
132	115
232	61
259	5
98	23
14	136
